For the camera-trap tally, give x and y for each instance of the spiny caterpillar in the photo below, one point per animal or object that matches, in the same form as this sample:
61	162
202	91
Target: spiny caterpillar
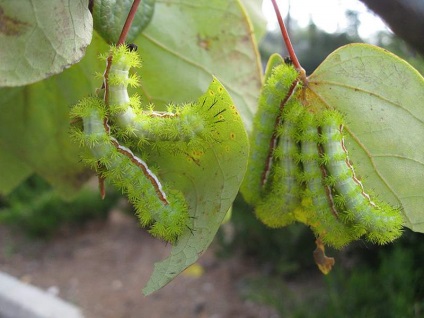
116	123
380	222
155	204
299	169
280	85
190	124
282	191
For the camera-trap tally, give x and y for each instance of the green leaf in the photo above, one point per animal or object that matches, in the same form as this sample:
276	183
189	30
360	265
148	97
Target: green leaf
40	38
188	41
109	17
382	98
210	184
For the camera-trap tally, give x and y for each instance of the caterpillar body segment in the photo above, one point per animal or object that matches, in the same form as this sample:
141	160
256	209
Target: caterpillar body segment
380	222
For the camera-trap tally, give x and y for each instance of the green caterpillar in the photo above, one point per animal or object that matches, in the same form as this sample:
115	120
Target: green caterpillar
191	124
322	214
277	207
156	205
280	86
380	222
114	125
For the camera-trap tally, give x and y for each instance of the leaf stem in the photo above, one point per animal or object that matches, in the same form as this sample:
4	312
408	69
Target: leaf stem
288	43
128	23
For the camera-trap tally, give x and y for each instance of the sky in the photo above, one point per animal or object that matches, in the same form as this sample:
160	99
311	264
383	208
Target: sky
328	15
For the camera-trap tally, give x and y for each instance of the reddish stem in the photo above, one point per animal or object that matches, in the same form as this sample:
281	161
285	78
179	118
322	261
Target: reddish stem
128	23
288	43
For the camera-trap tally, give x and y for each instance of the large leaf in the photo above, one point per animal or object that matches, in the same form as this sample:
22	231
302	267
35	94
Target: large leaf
382	98
188	41
40	38
210	180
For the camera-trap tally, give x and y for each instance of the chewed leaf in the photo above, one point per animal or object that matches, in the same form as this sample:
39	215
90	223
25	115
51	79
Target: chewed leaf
209	178
381	97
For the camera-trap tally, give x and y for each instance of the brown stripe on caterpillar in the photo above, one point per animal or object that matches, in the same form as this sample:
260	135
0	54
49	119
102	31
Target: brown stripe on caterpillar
324	173
138	162
106	79
144	168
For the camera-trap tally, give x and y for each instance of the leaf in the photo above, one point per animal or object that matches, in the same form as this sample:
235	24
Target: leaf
188	41
109	17
382	98
34	124
40	38
209	181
